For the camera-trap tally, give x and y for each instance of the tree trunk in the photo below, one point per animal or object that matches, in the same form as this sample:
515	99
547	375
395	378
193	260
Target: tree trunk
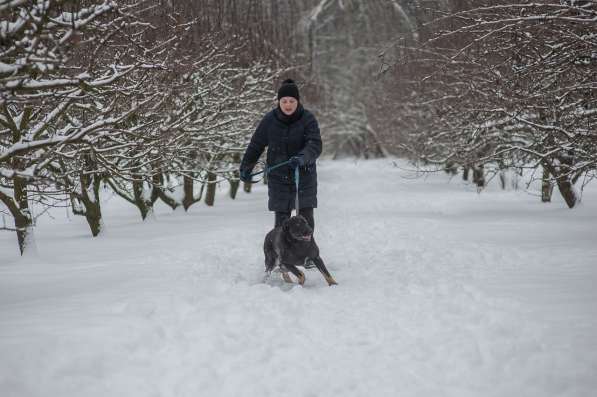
210	195
465	171
451	168
567	190
93	215
546	186
145	206
91	201
22	217
157	191
187	185
564	182
234	183
516	178
189	192
24	235
479	176
503	179
136	197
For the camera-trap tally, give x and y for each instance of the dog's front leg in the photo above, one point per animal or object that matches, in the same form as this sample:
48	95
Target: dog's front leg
293	269
324	271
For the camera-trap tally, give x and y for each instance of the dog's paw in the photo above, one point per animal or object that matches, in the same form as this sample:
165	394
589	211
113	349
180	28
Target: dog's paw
286	277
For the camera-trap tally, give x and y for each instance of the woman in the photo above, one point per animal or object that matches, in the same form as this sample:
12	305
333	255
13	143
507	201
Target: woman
291	133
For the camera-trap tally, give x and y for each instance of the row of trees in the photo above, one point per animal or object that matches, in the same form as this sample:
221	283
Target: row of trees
134	95
157	98
492	85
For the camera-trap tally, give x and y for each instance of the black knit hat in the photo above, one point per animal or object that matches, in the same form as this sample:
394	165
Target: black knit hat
288	88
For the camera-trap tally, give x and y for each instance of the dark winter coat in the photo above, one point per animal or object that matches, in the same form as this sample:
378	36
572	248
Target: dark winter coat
287	136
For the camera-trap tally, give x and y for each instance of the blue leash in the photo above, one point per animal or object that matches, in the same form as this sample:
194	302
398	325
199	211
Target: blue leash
296	182
268	170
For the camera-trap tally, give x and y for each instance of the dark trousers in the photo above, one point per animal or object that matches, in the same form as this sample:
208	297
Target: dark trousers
307	213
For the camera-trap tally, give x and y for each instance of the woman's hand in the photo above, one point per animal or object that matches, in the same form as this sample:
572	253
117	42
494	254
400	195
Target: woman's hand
245	175
296	161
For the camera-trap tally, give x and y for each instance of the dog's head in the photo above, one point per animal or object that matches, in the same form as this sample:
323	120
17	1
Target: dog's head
298	228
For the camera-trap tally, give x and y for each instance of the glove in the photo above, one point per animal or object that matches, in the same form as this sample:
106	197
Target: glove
296	161
245	175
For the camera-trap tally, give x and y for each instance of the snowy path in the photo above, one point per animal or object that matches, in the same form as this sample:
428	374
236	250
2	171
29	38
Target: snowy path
442	292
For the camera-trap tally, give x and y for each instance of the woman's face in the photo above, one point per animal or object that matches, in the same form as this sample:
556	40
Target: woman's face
288	105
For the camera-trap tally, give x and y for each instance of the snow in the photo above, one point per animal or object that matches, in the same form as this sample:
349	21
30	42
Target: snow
442	292
6	68
40	84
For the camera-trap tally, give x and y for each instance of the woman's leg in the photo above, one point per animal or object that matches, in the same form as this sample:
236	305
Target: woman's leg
307	213
281	216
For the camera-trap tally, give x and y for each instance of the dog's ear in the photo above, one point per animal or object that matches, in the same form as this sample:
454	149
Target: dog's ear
286	225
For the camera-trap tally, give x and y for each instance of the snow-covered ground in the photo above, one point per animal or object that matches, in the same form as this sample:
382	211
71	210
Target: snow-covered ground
442	292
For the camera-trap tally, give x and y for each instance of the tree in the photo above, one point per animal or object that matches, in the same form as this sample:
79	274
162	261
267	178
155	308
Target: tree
509	85
63	92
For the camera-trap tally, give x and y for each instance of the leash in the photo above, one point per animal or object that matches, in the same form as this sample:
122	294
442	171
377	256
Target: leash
267	170
296	182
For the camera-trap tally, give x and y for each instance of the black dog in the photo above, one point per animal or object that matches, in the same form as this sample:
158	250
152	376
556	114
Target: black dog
292	245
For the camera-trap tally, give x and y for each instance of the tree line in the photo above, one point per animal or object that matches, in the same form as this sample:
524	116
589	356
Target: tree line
156	99
497	85
153	99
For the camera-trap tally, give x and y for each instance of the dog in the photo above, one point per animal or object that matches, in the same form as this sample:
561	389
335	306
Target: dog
292	245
